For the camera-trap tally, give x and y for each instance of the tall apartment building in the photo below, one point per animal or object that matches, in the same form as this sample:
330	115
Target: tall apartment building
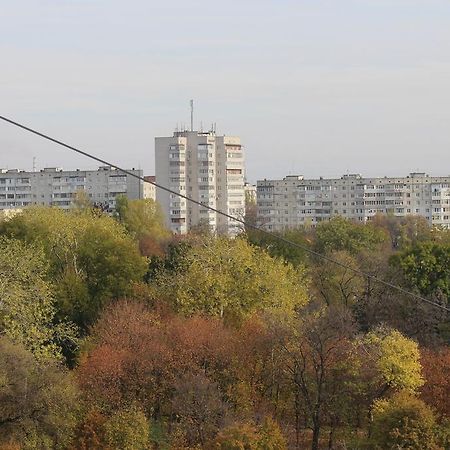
57	187
295	201
207	168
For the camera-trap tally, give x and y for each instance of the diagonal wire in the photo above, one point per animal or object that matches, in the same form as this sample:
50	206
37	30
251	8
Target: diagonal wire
235	219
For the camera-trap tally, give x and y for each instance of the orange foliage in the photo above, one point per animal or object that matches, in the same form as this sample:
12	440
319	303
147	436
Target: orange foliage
436	371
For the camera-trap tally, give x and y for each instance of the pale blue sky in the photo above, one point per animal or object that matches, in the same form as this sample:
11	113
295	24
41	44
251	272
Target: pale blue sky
312	87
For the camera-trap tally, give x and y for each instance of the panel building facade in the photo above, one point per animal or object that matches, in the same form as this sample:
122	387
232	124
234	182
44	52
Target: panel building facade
57	187
295	201
207	168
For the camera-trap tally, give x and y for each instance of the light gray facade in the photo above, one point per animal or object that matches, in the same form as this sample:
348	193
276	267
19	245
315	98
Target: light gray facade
295	201
207	168
57	187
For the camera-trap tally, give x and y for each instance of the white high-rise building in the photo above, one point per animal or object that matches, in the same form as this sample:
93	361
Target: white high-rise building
295	201
207	168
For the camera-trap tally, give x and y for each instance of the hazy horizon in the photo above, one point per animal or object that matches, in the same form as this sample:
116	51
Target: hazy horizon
315	88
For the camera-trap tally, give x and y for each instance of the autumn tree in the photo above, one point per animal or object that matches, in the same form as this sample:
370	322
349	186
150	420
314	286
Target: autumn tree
404	231
132	363
27	311
199	408
247	436
127	429
403	421
320	364
436	370
143	219
231	279
38	400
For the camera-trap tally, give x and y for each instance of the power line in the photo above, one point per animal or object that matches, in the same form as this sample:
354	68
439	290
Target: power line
361	273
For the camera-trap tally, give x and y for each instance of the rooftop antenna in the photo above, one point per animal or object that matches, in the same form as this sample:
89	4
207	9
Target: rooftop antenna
192	115
34	163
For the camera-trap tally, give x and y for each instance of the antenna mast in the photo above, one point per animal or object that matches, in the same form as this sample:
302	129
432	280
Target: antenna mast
192	115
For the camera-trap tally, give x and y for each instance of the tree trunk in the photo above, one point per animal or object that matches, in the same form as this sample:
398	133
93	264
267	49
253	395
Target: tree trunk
331	436
297	420
316	433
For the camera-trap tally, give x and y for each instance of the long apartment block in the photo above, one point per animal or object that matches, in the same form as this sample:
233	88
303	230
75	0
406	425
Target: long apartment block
295	201
207	168
58	187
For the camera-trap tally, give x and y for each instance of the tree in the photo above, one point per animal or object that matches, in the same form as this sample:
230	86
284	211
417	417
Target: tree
342	234
404	231
140	358
244	436
237	437
251	210
270	436
394	361
403	421
92	257
231	279
427	267
127	429
320	365
436	369
133	363
390	364
143	219
38	401
27	312
198	405
338	283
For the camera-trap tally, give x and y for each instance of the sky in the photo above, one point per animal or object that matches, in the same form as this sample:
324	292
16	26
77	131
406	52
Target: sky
312	87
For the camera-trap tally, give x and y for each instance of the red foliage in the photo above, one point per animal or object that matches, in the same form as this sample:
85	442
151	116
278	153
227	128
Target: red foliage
436	371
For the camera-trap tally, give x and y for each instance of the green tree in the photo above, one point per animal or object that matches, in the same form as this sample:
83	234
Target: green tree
38	400
427	267
403	421
92	257
282	249
338	283
230	278
27	312
127	429
342	234
142	218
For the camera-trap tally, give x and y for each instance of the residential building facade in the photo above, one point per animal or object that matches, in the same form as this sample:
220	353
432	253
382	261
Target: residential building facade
149	188
58	187
207	168
295	201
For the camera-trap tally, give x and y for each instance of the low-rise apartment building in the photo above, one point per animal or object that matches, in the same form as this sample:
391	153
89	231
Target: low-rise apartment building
295	201
149	188
58	187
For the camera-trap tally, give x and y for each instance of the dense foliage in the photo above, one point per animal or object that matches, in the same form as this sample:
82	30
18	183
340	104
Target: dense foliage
116	335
